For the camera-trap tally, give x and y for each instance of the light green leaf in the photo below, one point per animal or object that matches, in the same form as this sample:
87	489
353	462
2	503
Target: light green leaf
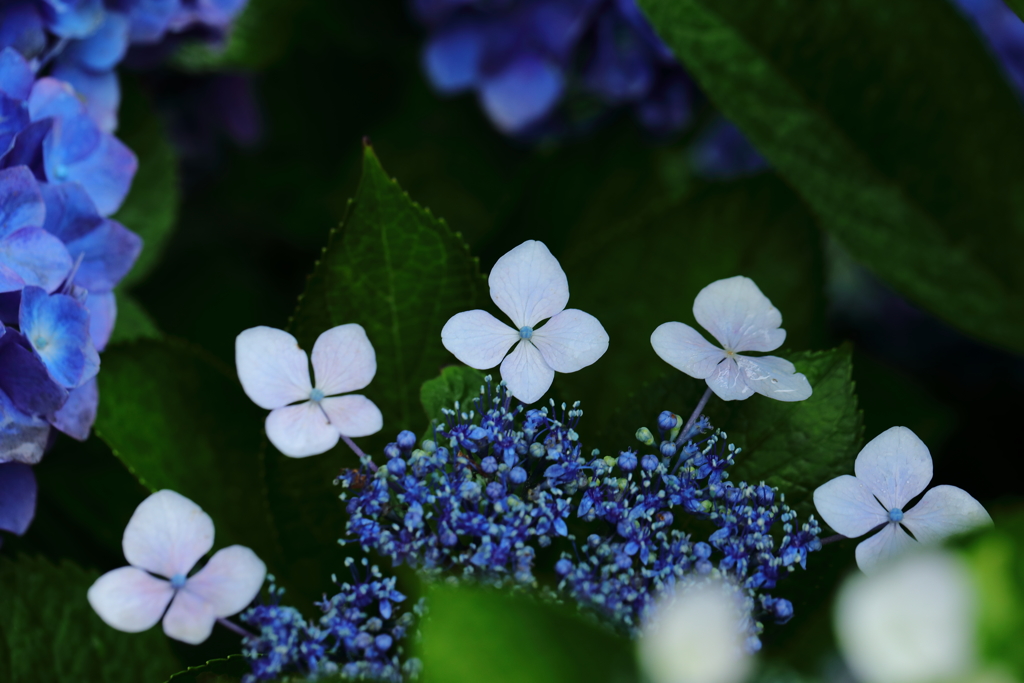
50	634
894	125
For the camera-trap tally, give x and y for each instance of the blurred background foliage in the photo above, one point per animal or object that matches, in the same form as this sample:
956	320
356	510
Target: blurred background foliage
892	228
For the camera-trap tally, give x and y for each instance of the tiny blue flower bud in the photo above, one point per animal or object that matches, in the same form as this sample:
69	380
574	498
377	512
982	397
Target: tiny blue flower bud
702	550
537	450
392	450
478	433
406	439
397	467
495	490
429	446
644	436
517	475
627	462
383	642
765	495
649	462
668	421
782	610
489	464
363	640
896	515
563	567
668	448
470	490
704	566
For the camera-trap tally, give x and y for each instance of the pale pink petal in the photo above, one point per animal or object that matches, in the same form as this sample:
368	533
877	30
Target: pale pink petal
190	618
774	377
739	316
528	284
353	415
272	368
684	348
847	506
726	381
895	466
571	340
888	543
301	430
944	511
129	599
167	534
478	339
343	360
526	374
229	581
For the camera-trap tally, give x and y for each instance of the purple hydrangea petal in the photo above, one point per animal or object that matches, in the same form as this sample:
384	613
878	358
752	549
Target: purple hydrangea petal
24	378
669	107
523	94
452	58
76	150
36	257
21	202
73	18
13	118
17	496
100	91
214	13
150	19
102	316
57	326
21	28
622	67
102	50
28	148
77	416
107	254
53	97
16	76
70	213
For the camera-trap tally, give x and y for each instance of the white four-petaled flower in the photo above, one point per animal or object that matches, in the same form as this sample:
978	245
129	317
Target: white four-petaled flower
308	419
166	536
741	318
528	286
892	469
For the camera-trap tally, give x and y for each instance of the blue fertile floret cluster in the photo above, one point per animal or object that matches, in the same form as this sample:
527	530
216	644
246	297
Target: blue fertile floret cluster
359	636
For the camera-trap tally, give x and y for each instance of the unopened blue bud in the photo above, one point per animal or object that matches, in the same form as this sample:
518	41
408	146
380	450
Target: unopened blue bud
627	462
392	450
495	490
563	567
489	464
397	467
537	450
649	462
517	475
406	439
702	550
668	448
668	421
782	610
644	436
383	642
478	433
363	640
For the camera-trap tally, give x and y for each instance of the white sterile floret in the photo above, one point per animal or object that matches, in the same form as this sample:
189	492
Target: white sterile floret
741	318
164	539
530	287
892	469
308	419
912	622
696	636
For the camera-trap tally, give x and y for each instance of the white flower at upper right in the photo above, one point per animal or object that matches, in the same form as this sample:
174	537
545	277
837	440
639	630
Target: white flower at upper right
741	318
892	469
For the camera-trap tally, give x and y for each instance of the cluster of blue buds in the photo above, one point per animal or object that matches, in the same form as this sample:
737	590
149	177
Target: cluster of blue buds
361	635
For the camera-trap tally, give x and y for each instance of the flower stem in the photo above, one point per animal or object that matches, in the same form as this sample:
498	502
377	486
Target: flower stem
232	626
358	451
833	539
696	414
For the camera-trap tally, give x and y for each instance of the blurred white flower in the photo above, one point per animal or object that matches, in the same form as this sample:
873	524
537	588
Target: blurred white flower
741	318
308	419
697	636
166	536
529	286
912	622
892	469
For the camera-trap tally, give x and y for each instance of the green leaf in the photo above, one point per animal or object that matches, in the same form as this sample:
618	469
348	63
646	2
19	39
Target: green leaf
645	273
133	322
50	634
178	420
455	383
893	123
259	37
151	207
228	670
400	273
473	635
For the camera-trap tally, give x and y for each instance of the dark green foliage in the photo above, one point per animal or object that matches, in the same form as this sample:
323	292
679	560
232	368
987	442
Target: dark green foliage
475	635
132	321
50	634
455	383
895	127
228	670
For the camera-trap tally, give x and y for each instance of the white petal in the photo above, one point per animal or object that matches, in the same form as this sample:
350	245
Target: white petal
272	368
895	466
944	511
526	374
190	618
528	284
878	550
343	360
774	377
301	430
914	622
571	340
478	339
129	599
727	382
229	581
739	316
167	534
847	506
684	348
353	415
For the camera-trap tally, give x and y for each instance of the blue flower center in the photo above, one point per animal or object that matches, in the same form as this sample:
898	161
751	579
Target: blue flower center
526	333
178	581
895	515
41	342
61	171
316	396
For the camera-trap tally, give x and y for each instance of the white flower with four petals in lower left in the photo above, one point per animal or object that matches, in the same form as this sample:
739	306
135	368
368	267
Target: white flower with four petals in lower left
892	469
741	318
166	536
529	287
308	419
